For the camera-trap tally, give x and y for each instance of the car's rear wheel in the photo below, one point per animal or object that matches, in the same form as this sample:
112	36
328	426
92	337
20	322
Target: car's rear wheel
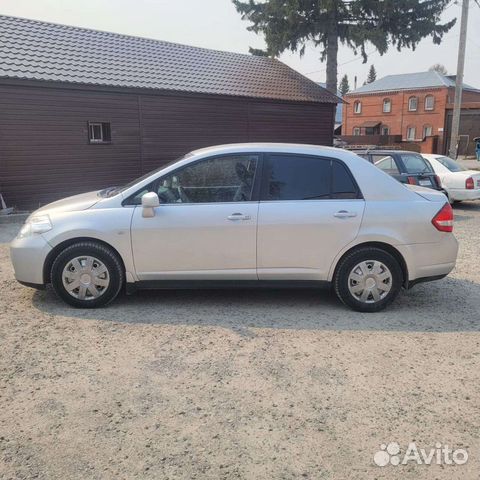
368	279
87	275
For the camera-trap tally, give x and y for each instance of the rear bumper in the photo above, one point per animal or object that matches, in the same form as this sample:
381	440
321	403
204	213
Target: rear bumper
461	194
430	260
424	279
28	258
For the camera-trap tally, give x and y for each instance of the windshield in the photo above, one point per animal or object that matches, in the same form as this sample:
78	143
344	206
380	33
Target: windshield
112	191
452	165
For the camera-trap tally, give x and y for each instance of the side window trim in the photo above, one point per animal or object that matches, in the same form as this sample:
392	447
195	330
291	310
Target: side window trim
263	197
255	197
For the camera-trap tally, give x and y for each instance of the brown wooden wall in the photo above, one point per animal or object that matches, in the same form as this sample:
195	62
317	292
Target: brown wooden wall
45	154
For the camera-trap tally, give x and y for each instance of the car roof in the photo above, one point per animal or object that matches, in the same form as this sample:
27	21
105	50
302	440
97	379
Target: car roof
269	147
390	152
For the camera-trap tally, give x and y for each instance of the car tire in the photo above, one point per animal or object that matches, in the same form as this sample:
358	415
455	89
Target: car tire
368	279
87	275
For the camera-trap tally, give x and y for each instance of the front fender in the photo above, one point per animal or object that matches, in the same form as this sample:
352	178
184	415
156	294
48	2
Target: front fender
106	225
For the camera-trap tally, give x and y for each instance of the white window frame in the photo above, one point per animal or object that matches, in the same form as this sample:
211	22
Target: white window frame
91	136
357	131
432	107
410	109
357	107
411	129
387	101
429	127
385	127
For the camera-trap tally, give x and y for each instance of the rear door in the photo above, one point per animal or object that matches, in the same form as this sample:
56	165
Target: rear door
310	209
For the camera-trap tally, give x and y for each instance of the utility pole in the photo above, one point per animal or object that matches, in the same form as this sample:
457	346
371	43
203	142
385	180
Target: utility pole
459	81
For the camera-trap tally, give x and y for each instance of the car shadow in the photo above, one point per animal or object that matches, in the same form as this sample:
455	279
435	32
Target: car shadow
449	305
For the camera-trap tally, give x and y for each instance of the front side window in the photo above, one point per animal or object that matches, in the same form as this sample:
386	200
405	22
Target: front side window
415	163
218	179
357	107
411	133
99	132
429	102
412	104
387	105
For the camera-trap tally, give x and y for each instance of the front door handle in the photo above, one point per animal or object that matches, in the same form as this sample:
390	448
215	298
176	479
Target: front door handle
238	216
345	214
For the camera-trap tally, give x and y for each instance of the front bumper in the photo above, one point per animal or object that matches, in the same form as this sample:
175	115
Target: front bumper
28	257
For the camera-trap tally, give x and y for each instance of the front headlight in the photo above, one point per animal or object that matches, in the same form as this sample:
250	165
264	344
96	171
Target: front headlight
35	224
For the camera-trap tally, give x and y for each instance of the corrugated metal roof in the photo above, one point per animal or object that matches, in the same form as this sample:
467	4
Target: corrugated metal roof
35	50
409	81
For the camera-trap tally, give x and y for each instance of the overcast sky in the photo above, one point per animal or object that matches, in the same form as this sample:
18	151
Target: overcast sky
216	24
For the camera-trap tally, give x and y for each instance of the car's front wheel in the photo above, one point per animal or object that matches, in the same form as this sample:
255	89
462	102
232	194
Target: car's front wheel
368	279
87	275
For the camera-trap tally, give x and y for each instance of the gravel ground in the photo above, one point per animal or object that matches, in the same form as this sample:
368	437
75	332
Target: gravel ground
240	384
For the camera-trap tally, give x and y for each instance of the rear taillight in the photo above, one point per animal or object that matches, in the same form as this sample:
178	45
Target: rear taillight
411	180
469	183
443	220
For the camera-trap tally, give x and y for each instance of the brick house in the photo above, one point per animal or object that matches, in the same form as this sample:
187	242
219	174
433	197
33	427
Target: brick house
413	105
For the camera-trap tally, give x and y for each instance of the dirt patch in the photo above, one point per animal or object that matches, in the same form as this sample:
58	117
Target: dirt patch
240	384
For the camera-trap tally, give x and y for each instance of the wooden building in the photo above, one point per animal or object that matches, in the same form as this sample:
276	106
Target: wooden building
82	109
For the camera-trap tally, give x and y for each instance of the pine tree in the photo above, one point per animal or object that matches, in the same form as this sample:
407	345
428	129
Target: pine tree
344	86
372	74
438	67
292	24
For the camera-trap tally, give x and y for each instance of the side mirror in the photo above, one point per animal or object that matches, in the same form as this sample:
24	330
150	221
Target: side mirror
149	201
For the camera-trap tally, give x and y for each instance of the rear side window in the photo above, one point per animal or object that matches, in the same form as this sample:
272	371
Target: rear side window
291	177
297	177
342	182
416	164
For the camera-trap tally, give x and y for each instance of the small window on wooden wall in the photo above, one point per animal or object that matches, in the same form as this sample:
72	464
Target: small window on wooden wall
99	132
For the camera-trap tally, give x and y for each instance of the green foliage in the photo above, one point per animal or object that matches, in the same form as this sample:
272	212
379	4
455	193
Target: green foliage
258	52
438	67
291	24
372	74
344	86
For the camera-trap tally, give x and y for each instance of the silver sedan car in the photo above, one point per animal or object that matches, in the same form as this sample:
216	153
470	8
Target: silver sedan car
243	215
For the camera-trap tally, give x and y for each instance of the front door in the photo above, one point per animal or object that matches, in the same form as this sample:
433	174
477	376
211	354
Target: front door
310	210
205	226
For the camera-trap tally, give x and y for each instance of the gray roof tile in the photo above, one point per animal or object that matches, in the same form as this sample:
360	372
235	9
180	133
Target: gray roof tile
35	50
409	81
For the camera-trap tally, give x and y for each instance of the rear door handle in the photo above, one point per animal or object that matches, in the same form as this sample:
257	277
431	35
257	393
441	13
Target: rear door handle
345	214
238	216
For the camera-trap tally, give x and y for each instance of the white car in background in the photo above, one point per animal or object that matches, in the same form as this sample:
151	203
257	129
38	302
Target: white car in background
459	183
